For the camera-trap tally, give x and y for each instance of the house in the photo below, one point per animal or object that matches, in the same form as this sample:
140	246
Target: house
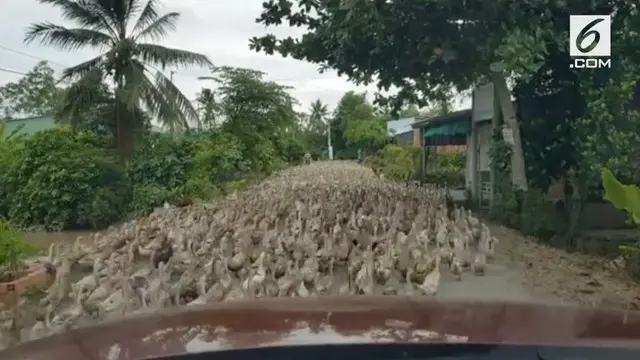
465	130
29	125
443	133
401	130
478	174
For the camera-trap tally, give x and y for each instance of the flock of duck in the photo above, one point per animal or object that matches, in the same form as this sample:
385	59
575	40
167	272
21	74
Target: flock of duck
328	228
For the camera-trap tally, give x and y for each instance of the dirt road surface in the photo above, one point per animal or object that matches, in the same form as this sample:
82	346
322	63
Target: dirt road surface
524	270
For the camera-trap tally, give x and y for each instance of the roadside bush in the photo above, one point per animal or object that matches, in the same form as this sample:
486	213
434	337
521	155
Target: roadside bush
450	162
59	179
346	154
12	250
159	171
291	149
446	168
626	198
532	214
149	196
505	209
66	182
220	158
163	160
538	216
449	177
10	155
395	162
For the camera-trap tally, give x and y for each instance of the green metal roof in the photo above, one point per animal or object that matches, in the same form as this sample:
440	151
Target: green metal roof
29	125
448	129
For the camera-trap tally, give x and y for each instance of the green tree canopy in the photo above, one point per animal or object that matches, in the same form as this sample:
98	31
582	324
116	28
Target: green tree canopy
426	48
207	108
34	94
259	113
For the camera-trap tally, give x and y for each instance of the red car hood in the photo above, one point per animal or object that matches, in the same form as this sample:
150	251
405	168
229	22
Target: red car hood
295	321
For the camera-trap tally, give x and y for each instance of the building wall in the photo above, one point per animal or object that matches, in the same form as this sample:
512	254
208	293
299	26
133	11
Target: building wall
31	125
483	143
404	138
417	137
467	173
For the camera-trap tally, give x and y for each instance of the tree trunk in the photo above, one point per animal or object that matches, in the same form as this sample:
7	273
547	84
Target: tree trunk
518	174
125	138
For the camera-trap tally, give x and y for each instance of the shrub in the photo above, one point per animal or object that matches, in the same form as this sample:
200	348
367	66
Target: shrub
450	162
219	158
159	171
66	181
162	160
449	177
395	162
12	250
505	209
291	149
538	216
530	212
149	196
626	198
10	156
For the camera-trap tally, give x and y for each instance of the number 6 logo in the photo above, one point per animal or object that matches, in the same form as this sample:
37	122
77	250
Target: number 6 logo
589	35
586	32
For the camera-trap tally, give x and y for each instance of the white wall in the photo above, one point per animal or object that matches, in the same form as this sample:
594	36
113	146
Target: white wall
484	143
482	103
467	174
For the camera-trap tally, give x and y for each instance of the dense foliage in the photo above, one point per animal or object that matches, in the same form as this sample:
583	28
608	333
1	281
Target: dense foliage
69	177
573	121
63	179
402	163
625	197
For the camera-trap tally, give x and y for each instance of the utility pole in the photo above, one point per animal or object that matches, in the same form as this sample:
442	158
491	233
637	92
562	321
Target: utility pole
171	75
330	147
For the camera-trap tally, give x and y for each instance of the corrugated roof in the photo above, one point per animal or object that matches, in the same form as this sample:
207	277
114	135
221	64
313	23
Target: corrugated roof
400	126
29	125
443	119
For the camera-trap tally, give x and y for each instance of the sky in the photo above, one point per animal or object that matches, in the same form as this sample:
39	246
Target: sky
219	29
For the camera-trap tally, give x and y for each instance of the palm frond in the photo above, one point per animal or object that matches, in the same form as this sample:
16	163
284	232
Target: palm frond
81	70
80	96
66	39
157	104
84	13
115	13
148	15
133	7
175	97
167	57
160	28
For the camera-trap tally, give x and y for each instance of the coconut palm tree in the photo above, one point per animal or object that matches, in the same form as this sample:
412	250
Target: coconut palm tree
126	59
208	108
318	125
318	113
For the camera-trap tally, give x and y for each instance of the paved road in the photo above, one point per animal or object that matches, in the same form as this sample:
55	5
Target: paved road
499	284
